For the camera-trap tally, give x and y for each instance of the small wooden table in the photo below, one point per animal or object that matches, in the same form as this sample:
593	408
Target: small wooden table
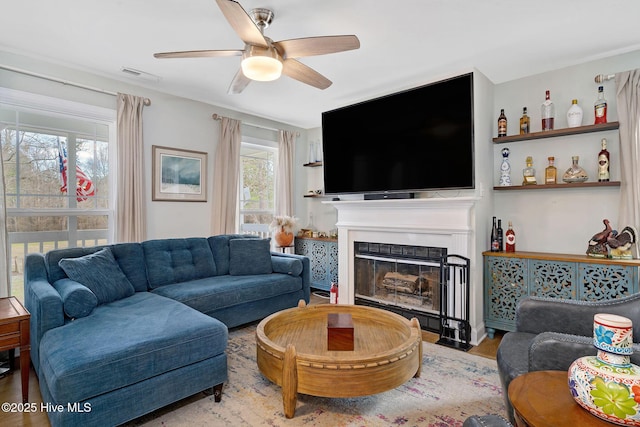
543	398
14	333
292	351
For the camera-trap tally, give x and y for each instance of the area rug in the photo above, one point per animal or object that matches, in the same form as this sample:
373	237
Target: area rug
453	386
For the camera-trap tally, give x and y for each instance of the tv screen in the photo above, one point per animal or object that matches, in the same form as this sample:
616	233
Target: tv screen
417	140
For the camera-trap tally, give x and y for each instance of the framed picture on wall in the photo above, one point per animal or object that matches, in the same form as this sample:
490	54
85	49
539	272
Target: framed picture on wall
179	175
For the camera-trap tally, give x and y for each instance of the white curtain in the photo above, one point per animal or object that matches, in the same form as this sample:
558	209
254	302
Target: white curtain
628	101
131	212
284	175
226	175
5	279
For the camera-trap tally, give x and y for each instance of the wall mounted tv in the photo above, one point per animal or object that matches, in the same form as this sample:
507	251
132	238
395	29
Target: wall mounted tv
416	140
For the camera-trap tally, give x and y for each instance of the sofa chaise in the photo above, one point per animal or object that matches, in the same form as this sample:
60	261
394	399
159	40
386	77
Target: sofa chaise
118	331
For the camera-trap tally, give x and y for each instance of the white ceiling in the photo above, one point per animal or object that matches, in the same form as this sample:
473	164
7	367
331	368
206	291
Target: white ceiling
404	43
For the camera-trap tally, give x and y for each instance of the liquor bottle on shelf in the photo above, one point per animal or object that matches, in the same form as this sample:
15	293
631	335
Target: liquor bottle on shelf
575	173
510	239
548	111
603	162
333	293
502	124
505	169
529	173
551	173
495	244
500	236
600	107
524	122
574	115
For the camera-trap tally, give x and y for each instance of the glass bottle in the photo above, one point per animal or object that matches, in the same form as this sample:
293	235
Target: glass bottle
548	111
603	162
500	236
312	152
524	122
502	124
551	173
529	173
600	107
510	239
575	173
505	169
495	244
333	293
574	115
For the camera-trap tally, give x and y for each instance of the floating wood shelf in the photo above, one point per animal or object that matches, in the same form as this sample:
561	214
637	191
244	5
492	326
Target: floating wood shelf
557	132
563	186
312	164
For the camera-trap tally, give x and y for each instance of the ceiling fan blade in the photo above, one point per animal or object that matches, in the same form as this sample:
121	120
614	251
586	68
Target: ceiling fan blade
297	70
242	23
239	82
198	54
311	46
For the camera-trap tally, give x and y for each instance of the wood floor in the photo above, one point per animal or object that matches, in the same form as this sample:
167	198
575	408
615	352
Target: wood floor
10	389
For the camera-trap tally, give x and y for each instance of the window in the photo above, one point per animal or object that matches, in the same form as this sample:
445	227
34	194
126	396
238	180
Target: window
257	186
57	182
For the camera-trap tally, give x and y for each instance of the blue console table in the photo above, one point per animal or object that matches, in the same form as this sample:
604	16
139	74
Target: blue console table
509	277
323	254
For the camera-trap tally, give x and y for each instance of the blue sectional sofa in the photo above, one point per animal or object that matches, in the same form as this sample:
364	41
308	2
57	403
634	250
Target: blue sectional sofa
121	330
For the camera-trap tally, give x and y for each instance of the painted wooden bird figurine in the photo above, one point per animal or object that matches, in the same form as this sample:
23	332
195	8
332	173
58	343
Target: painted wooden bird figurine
602	236
623	240
598	243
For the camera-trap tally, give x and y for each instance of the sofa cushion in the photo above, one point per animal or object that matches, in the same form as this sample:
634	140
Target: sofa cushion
220	248
124	342
128	255
215	293
101	273
249	256
285	265
170	261
77	300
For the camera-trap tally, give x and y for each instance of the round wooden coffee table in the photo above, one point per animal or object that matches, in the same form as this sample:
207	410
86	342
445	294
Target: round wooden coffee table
543	398
292	352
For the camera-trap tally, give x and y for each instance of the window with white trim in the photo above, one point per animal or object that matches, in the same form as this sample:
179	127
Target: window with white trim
257	186
57	182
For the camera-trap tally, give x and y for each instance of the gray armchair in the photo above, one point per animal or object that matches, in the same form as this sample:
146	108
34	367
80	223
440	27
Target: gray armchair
551	333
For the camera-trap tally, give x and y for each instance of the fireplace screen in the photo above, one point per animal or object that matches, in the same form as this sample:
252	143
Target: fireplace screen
400	275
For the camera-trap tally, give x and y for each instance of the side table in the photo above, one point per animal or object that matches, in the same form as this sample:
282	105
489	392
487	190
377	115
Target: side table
543	398
14	333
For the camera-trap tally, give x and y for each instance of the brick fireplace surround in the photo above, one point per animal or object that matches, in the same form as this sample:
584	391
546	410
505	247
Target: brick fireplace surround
436	222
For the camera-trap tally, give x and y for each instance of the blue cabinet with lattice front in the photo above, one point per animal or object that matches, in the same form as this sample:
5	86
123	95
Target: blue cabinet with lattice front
509	277
323	256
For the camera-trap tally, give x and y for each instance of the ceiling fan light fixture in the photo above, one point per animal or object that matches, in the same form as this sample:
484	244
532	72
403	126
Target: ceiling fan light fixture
261	64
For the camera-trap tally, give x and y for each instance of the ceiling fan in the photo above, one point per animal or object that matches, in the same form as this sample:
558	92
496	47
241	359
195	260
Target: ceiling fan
262	58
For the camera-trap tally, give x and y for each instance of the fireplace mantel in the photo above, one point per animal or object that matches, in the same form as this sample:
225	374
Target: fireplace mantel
438	222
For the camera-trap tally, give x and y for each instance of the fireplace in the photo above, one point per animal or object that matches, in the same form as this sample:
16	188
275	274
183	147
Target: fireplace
401	278
446	224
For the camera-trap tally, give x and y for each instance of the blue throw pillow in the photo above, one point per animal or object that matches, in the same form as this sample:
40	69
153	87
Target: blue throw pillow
101	273
77	300
249	256
286	265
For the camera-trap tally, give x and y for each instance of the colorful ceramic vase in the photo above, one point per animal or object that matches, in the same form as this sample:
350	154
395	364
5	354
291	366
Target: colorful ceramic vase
608	385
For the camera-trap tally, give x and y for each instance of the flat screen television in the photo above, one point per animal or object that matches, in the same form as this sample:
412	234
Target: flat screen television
416	140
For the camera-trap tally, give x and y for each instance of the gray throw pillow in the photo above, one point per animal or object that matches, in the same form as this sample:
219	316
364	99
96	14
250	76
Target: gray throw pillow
249	256
77	300
101	273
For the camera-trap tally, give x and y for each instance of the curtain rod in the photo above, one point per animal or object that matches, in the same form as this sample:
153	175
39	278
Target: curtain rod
601	78
216	116
147	101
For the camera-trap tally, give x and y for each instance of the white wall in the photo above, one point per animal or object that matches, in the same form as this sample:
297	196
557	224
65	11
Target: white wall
559	220
170	121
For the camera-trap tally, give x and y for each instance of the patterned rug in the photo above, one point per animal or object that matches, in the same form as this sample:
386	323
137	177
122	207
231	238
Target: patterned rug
453	385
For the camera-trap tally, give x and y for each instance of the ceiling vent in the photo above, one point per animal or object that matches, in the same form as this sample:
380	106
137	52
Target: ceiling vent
137	74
